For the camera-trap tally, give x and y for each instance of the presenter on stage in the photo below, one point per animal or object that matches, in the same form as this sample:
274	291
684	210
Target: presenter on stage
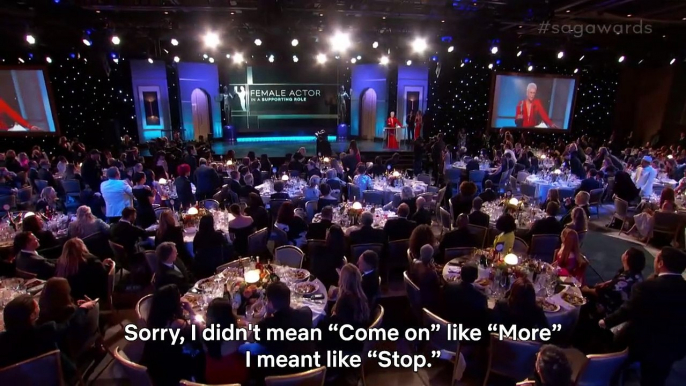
530	112
10	118
392	124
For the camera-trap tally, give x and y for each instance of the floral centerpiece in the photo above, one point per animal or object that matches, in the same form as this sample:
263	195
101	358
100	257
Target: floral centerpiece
354	212
249	291
395	179
192	217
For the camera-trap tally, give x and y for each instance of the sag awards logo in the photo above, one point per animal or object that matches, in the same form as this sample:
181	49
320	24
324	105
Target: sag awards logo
283	95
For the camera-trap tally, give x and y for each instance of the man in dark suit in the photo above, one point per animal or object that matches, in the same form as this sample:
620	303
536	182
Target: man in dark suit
91	170
488	194
548	225
256	173
464	303
279	193
283	316
368	264
349	163
589	183
366	233
234	182
400	228
33	174
312	169
473	164
393	161
189	158
422	216
171	270
124	233
656	315
317	230
459	237
477	217
206	181
25	246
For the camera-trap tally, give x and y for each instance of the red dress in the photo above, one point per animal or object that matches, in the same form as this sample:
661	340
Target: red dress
6	110
417	126
392	141
537	115
228	369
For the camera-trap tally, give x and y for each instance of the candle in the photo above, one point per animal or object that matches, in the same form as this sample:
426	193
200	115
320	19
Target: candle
511	259
252	276
543	156
557	171
357	206
284	177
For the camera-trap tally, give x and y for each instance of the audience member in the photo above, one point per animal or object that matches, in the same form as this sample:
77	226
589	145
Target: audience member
507	226
549	224
488	195
422	216
477	217
423	274
224	364
552	368
28	260
34	224
464	303
116	193
317	230
86	274
421	235
400	228
519	307
124	233
171	270
368	264
145	197
367	234
167	230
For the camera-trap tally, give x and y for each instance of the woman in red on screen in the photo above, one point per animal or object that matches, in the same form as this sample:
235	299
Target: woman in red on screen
418	121
7	112
530	112
393	122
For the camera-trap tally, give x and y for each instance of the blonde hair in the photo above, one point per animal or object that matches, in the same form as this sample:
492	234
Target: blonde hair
166	221
83	216
350	287
570	246
73	253
583	197
47	191
579	220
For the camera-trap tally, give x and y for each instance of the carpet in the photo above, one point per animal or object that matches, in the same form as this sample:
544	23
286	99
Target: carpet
604	253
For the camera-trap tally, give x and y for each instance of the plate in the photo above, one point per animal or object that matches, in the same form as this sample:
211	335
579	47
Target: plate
297	274
453	278
548	306
305	288
204	284
193	299
572	299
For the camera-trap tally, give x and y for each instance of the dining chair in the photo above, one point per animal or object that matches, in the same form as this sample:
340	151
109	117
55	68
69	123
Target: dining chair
24	274
595	200
479	233
529	191
668	223
354	192
310	208
189	383
369	345
621	213
9	200
274	206
358	249
430	199
512	359
136	374
257	242
44	370
108	307
151	259
451	212
97	245
209	204
40	185
453	175
522	176
289	255
425	178
72	188
520	246
143	308
477	177
543	247
233	264
24	197
119	256
596	369
314	377
445	220
397	257
372	197
279	236
438	340
160	210
414	296
453	253
513	186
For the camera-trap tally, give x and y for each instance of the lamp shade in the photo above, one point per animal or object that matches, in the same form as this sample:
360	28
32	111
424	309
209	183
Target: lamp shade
357	206
511	259
252	276
162	181
193	211
284	177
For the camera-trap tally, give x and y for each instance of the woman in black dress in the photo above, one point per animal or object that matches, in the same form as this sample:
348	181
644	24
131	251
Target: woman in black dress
144	199
257	211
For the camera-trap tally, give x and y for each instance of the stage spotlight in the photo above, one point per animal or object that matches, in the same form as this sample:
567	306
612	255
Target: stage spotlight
30	39
494	50
419	45
531	68
384	60
490	66
461	64
271	58
205	56
409	62
451	49
294	42
672	61
116	60
228	56
621	59
576	70
48	59
177	59
359	57
86	40
174	42
295	59
582	57
116	40
238	58
150	60
211	39
337	57
340	42
560	54
519	53
321	58
211	60
258	42
375	45
353	60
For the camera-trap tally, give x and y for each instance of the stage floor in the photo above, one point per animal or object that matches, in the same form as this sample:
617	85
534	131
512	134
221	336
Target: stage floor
279	149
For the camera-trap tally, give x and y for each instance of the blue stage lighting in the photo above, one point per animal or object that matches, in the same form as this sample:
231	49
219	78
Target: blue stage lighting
447	39
434	58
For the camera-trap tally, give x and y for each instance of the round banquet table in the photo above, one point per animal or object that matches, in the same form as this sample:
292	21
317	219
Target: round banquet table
567	316
381	185
543	186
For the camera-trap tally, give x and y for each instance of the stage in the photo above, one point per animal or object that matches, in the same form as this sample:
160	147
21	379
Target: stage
280	148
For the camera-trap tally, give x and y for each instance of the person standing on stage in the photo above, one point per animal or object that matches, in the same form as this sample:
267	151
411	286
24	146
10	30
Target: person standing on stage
530	112
418	122
410	126
394	123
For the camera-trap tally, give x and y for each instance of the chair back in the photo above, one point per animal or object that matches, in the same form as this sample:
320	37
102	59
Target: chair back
44	370
372	197
359	249
564	193
10	200
40	185
159	211
111	274
72	188
376	323
445	218
257	242
512	184
521	177
667	222
354	192
453	253
274	206
53	252
279	236
600	369
97	245
528	191
430	199
438	340
24	274
477	177
289	255
440	196
314	377
143	307
397	254
453	175
511	359
520	246
543	247
596	195
209	204
151	259
621	208
310	208
479	233
425	178
136	374
396	200
25	195
119	252
413	295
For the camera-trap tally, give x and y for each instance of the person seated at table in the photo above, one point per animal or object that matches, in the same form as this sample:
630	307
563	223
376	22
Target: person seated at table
421	235
507	226
580	201
294	226
47	203
317	230
568	257
368	264
124	233
257	211
182	183
460	237
589	183
325	261
224	364
361	178
378	169
519	307
351	308
226	196
423	274
208	240
279	194
170	269
27	259
548	225
644	221
366	233
249	186
145	197
34	224
462	201
312	169
86	224
579	220
71	174
552	368
86	274
477	217
553	195
240	227
325	198
311	191
422	216
332	179
506	165
488	195
166	362
280	315
465	304
167	230
400	228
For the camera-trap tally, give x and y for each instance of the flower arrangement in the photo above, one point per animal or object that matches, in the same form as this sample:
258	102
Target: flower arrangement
193	215
249	291
395	179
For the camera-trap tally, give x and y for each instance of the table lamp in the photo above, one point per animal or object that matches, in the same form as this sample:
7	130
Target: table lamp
252	276
511	259
193	211
162	181
357	206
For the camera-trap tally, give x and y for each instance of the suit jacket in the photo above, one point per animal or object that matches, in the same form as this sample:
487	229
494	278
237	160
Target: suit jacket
317	231
184	191
399	228
370	287
300	318
422	217
463	303
545	226
461	204
91	172
235	186
656	316
35	263
488	195
349	163
588	184
280	196
206	179
178	275
127	235
457	238
18	347
366	235
44	174
479	218
472	165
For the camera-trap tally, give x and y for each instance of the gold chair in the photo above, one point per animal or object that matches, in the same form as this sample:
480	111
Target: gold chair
668	223
414	295
596	198
479	233
520	246
596	369
289	255
511	359
314	377
143	307
135	373
44	370
621	213
452	253
358	249
257	242
371	344
189	383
